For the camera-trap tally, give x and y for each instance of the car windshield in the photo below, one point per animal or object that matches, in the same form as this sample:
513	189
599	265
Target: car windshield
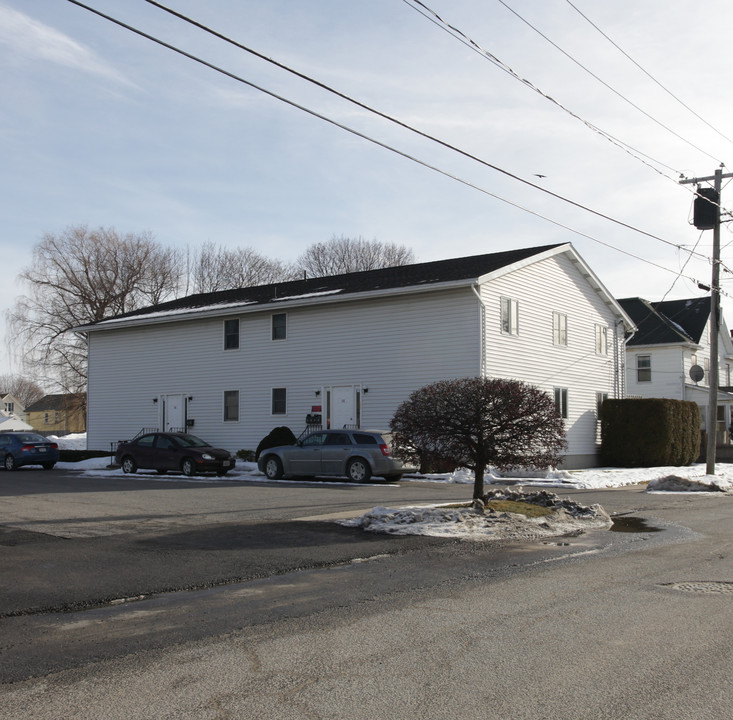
191	441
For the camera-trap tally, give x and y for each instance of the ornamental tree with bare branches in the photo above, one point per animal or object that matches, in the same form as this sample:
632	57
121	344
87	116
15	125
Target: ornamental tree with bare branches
344	255
214	268
80	276
481	422
24	390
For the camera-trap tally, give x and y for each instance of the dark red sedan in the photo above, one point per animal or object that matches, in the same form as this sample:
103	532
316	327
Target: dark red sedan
181	452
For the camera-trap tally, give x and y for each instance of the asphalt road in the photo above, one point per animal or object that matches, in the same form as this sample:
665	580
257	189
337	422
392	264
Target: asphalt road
133	597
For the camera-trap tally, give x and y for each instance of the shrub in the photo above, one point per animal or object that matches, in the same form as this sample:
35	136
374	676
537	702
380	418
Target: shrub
247	455
649	432
282	435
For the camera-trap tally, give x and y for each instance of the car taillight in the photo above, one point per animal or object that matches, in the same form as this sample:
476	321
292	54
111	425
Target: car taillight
27	448
384	449
54	446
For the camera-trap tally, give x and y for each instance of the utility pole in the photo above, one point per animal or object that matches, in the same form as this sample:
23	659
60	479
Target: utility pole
711	422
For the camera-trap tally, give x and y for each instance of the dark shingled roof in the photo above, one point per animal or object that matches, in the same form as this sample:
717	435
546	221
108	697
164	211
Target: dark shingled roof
668	322
427	273
62	401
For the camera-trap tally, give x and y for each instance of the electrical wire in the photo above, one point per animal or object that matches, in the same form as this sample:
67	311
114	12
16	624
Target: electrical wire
396	151
396	121
648	74
606	85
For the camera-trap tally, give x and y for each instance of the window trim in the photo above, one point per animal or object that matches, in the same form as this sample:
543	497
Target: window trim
284	401
561	401
559	329
509	316
272	327
226	407
601	339
647	370
228	335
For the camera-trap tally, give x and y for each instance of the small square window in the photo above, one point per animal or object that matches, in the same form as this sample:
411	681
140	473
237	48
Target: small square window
231	334
279	401
279	326
231	405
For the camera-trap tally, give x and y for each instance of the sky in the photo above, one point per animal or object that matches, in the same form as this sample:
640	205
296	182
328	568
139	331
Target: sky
102	127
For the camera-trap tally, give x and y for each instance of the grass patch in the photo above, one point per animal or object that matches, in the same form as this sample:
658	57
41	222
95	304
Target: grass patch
530	510
517	506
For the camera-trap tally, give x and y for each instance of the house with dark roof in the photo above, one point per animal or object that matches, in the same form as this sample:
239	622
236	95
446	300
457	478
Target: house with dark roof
346	350
669	356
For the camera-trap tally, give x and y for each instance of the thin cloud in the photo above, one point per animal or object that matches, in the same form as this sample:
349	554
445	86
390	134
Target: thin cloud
34	40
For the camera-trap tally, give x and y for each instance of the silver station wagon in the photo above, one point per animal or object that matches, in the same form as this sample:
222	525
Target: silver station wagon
357	454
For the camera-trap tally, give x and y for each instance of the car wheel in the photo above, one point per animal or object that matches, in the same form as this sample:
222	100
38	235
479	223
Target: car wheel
10	462
273	468
129	466
188	467
358	470
393	478
48	466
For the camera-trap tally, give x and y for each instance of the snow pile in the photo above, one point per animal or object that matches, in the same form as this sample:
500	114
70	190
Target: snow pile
679	483
73	441
566	517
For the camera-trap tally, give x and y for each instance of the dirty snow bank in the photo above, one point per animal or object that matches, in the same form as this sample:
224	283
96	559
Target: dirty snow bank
567	517
700	483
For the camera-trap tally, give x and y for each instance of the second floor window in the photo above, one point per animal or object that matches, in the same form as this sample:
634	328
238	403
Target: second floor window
643	368
231	334
509	316
559	329
279	326
601	340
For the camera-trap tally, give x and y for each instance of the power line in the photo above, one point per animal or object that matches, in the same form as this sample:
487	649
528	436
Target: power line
606	85
430	15
396	121
396	151
649	75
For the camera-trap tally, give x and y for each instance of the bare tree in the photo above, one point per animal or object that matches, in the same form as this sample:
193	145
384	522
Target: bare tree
218	268
24	390
80	276
477	422
344	255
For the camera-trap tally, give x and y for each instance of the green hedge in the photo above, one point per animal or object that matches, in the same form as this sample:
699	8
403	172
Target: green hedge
649	432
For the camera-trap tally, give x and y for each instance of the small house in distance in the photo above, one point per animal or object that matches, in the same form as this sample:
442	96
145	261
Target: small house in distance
669	356
59	414
346	350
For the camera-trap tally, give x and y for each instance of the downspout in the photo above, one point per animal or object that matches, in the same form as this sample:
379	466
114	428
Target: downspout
482	329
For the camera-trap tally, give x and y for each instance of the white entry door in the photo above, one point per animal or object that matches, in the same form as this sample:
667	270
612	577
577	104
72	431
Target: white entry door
343	406
174	413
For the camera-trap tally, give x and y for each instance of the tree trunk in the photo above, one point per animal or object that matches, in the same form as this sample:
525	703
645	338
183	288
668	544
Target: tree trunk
478	485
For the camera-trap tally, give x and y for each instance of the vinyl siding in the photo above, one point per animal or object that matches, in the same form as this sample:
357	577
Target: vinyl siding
555	285
391	346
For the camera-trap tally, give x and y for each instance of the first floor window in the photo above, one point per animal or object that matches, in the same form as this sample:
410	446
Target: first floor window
509	316
231	405
601	340
643	368
559	329
279	401
561	401
600	397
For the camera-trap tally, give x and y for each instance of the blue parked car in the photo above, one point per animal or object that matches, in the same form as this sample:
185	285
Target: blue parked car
27	448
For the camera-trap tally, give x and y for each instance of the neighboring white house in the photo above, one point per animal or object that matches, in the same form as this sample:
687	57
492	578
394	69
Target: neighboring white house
669	356
348	349
10	405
